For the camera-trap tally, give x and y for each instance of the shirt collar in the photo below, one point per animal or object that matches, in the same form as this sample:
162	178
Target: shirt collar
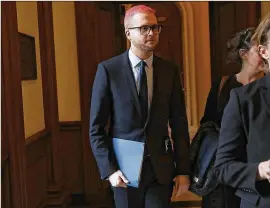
136	60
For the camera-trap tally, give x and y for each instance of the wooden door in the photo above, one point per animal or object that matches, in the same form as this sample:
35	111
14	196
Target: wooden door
109	30
99	38
227	18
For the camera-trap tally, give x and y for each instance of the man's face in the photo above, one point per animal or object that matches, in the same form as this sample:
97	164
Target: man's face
147	42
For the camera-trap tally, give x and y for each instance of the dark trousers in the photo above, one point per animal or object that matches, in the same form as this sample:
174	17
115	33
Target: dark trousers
222	197
150	194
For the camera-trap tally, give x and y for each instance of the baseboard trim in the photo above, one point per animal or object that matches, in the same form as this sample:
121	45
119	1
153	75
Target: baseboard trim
178	204
78	199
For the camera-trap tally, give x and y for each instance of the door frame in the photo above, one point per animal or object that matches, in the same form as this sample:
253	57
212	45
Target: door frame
13	105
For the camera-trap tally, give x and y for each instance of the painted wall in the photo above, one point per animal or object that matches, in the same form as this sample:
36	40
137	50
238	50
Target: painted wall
265	6
202	54
66	61
31	90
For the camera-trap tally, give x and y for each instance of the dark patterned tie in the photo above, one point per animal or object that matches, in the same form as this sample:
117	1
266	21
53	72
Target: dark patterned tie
143	94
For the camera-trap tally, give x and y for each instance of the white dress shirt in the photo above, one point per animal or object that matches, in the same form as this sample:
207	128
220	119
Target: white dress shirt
134	60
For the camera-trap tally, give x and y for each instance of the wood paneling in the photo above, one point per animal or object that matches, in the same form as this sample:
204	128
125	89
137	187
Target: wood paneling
93	46
13	111
227	18
38	154
5	167
57	196
87	61
37	147
104	13
70	139
37	164
5	183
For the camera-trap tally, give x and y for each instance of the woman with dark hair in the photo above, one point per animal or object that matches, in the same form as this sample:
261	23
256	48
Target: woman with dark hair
243	156
239	50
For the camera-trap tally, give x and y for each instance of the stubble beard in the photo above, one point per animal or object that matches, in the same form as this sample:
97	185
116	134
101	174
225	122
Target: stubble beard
147	48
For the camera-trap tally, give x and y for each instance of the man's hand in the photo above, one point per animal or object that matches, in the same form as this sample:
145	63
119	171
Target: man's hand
117	179
181	184
264	171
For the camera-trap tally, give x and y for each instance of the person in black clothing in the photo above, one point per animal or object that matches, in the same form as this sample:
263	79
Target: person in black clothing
243	155
240	50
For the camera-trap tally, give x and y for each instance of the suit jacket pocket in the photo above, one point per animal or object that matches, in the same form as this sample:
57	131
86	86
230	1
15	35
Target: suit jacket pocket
248	195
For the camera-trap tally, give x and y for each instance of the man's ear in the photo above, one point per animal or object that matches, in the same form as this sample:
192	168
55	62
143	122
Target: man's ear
127	34
242	53
264	53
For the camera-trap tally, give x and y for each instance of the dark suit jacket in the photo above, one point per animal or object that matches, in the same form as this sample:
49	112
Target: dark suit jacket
114	95
245	141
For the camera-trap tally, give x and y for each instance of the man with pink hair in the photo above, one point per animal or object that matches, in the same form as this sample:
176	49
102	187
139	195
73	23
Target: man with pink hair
140	93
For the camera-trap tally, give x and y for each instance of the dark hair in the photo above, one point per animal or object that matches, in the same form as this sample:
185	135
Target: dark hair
241	40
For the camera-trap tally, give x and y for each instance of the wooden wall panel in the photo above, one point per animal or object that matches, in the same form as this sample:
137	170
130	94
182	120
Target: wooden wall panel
5	183
91	43
37	165
87	61
57	196
12	107
226	19
71	151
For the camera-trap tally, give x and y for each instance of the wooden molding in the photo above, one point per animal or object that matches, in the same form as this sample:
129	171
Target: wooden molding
37	164
56	193
186	10
12	99
57	196
39	135
36	147
72	154
49	81
70	125
5	184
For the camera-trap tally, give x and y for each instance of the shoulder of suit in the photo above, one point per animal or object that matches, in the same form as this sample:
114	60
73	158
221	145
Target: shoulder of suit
114	61
160	60
250	90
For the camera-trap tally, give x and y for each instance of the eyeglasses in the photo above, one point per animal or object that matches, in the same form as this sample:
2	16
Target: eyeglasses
145	29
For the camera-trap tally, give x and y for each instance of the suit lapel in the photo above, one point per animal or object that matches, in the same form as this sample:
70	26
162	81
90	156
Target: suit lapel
130	81
265	91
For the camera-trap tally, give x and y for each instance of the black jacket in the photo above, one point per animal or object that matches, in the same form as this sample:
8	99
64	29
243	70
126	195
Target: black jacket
245	141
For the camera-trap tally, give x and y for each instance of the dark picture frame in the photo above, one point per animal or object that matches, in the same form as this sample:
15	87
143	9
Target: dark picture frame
28	57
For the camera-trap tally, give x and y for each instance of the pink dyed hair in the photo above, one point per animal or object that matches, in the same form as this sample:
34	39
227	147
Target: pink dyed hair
135	10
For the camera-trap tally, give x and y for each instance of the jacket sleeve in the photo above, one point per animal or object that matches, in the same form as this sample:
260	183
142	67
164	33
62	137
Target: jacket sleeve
179	127
101	102
231	158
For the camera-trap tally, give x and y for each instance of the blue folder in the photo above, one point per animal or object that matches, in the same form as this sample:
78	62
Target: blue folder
129	155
